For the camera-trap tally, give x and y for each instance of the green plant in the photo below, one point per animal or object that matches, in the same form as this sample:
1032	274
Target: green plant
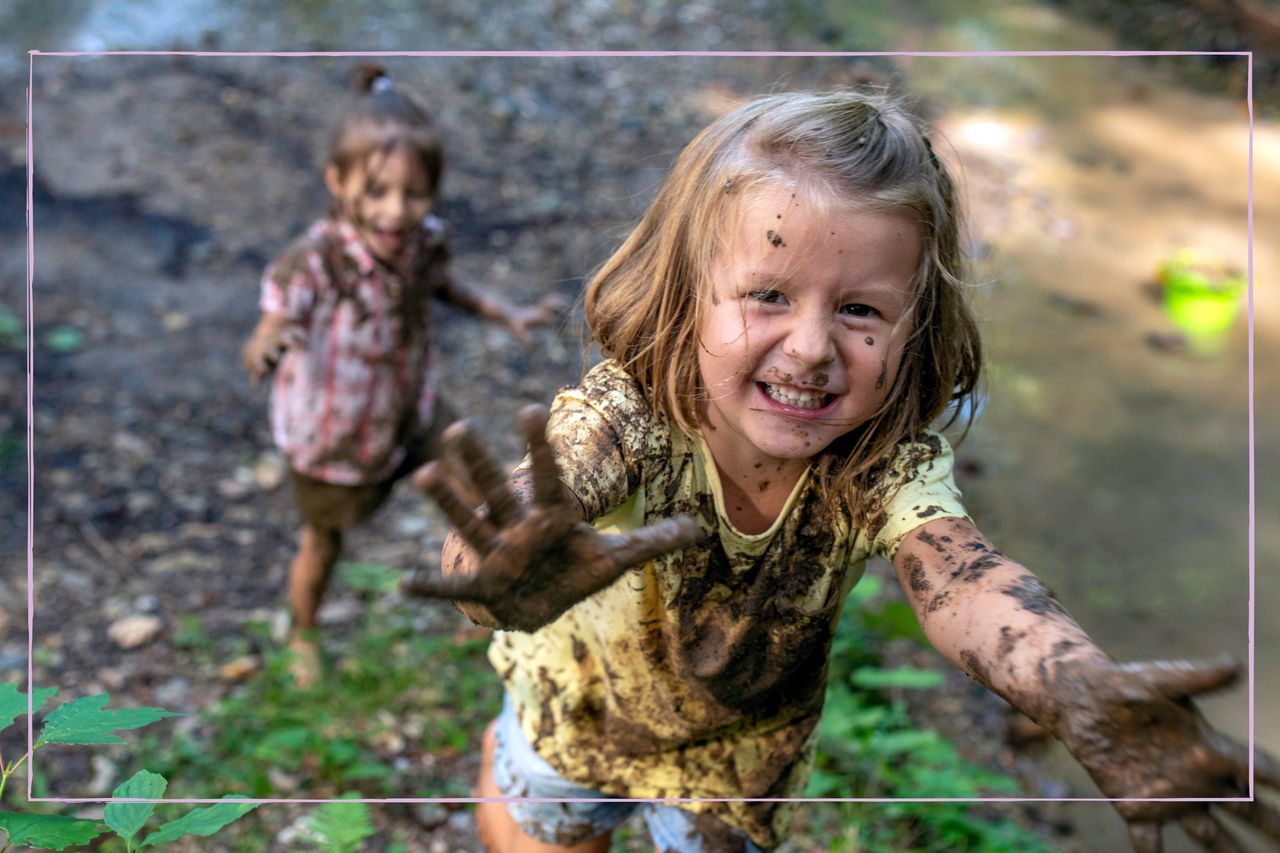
87	721
396	695
868	747
339	827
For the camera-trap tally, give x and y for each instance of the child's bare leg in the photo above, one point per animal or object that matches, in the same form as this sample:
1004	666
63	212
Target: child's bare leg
498	831
309	575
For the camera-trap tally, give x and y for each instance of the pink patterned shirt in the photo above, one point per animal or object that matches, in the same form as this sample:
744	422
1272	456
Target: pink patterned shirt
345	404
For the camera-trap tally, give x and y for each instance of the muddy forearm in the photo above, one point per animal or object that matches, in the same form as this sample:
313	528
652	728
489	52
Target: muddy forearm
992	617
471	301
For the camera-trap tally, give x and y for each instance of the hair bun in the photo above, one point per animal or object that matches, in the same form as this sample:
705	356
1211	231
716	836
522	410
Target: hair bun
366	76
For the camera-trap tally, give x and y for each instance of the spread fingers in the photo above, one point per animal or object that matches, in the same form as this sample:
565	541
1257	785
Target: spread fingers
670	534
547	489
484	473
1258	814
1145	837
452	587
1210	834
478	532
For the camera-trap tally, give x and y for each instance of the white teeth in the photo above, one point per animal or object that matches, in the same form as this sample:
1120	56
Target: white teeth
796	399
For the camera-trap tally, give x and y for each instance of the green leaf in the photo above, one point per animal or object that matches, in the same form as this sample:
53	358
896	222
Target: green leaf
874	678
13	702
12	330
375	578
64	339
895	619
340	827
911	740
127	818
85	720
200	822
48	831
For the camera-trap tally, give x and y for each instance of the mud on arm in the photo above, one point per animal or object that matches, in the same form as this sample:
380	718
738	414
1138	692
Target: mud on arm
1133	726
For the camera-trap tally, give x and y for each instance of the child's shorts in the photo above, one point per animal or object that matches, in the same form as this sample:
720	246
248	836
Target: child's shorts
334	506
520	772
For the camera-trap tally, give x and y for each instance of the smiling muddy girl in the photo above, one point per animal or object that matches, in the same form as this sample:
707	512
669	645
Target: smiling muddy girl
346	326
781	332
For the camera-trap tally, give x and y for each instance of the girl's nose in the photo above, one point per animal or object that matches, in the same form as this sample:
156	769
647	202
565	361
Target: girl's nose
810	341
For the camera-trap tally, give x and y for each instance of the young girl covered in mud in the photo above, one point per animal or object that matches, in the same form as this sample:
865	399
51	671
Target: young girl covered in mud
668	565
346	314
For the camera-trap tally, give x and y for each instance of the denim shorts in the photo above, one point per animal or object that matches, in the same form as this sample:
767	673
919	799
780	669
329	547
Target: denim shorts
520	772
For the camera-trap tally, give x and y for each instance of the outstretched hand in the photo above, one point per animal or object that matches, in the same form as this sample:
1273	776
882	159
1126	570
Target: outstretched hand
519	320
267	343
1135	729
535	560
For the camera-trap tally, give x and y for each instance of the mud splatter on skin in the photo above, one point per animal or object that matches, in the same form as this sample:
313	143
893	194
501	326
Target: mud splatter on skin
976	568
1008	641
937	602
871	341
975	668
916	574
821	380
764	485
1034	597
775	239
884	368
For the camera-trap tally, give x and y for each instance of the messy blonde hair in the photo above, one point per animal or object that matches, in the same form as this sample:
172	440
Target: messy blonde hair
862	150
383	118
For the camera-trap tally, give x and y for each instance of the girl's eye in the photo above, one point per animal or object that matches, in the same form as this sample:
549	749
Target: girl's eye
857	309
769	297
375	192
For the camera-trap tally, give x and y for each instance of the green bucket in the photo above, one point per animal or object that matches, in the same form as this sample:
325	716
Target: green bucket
1201	294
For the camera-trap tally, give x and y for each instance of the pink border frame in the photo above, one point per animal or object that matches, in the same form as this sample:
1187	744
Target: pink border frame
30	151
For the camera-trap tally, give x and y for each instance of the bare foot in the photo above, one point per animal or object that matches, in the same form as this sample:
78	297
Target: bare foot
304	661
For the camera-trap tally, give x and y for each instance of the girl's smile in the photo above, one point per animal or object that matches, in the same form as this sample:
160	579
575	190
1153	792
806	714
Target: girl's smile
802	333
385	197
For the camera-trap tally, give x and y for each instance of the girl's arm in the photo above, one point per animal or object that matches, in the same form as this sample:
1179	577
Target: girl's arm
517	320
270	338
527	554
1132	726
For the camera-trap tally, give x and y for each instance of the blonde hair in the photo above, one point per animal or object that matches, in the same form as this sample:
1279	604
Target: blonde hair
866	151
382	119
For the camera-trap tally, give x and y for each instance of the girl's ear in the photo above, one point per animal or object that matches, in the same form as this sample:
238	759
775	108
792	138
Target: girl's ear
333	180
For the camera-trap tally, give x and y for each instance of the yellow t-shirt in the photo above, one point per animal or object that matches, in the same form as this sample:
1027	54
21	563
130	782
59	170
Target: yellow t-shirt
700	674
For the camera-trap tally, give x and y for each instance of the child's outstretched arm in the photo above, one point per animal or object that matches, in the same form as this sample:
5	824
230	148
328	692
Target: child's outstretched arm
528	555
1133	726
518	320
270	338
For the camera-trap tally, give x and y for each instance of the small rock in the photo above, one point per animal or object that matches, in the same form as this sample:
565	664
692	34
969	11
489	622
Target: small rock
173	693
282	782
134	631
269	471
463	822
239	669
431	815
104	774
339	612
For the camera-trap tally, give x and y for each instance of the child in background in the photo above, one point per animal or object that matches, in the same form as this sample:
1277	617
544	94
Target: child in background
346	313
669	564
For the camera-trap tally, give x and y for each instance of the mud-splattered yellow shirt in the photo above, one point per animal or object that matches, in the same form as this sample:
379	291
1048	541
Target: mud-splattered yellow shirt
699	674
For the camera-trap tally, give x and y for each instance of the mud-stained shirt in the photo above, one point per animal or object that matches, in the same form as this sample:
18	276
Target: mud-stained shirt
344	404
700	674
